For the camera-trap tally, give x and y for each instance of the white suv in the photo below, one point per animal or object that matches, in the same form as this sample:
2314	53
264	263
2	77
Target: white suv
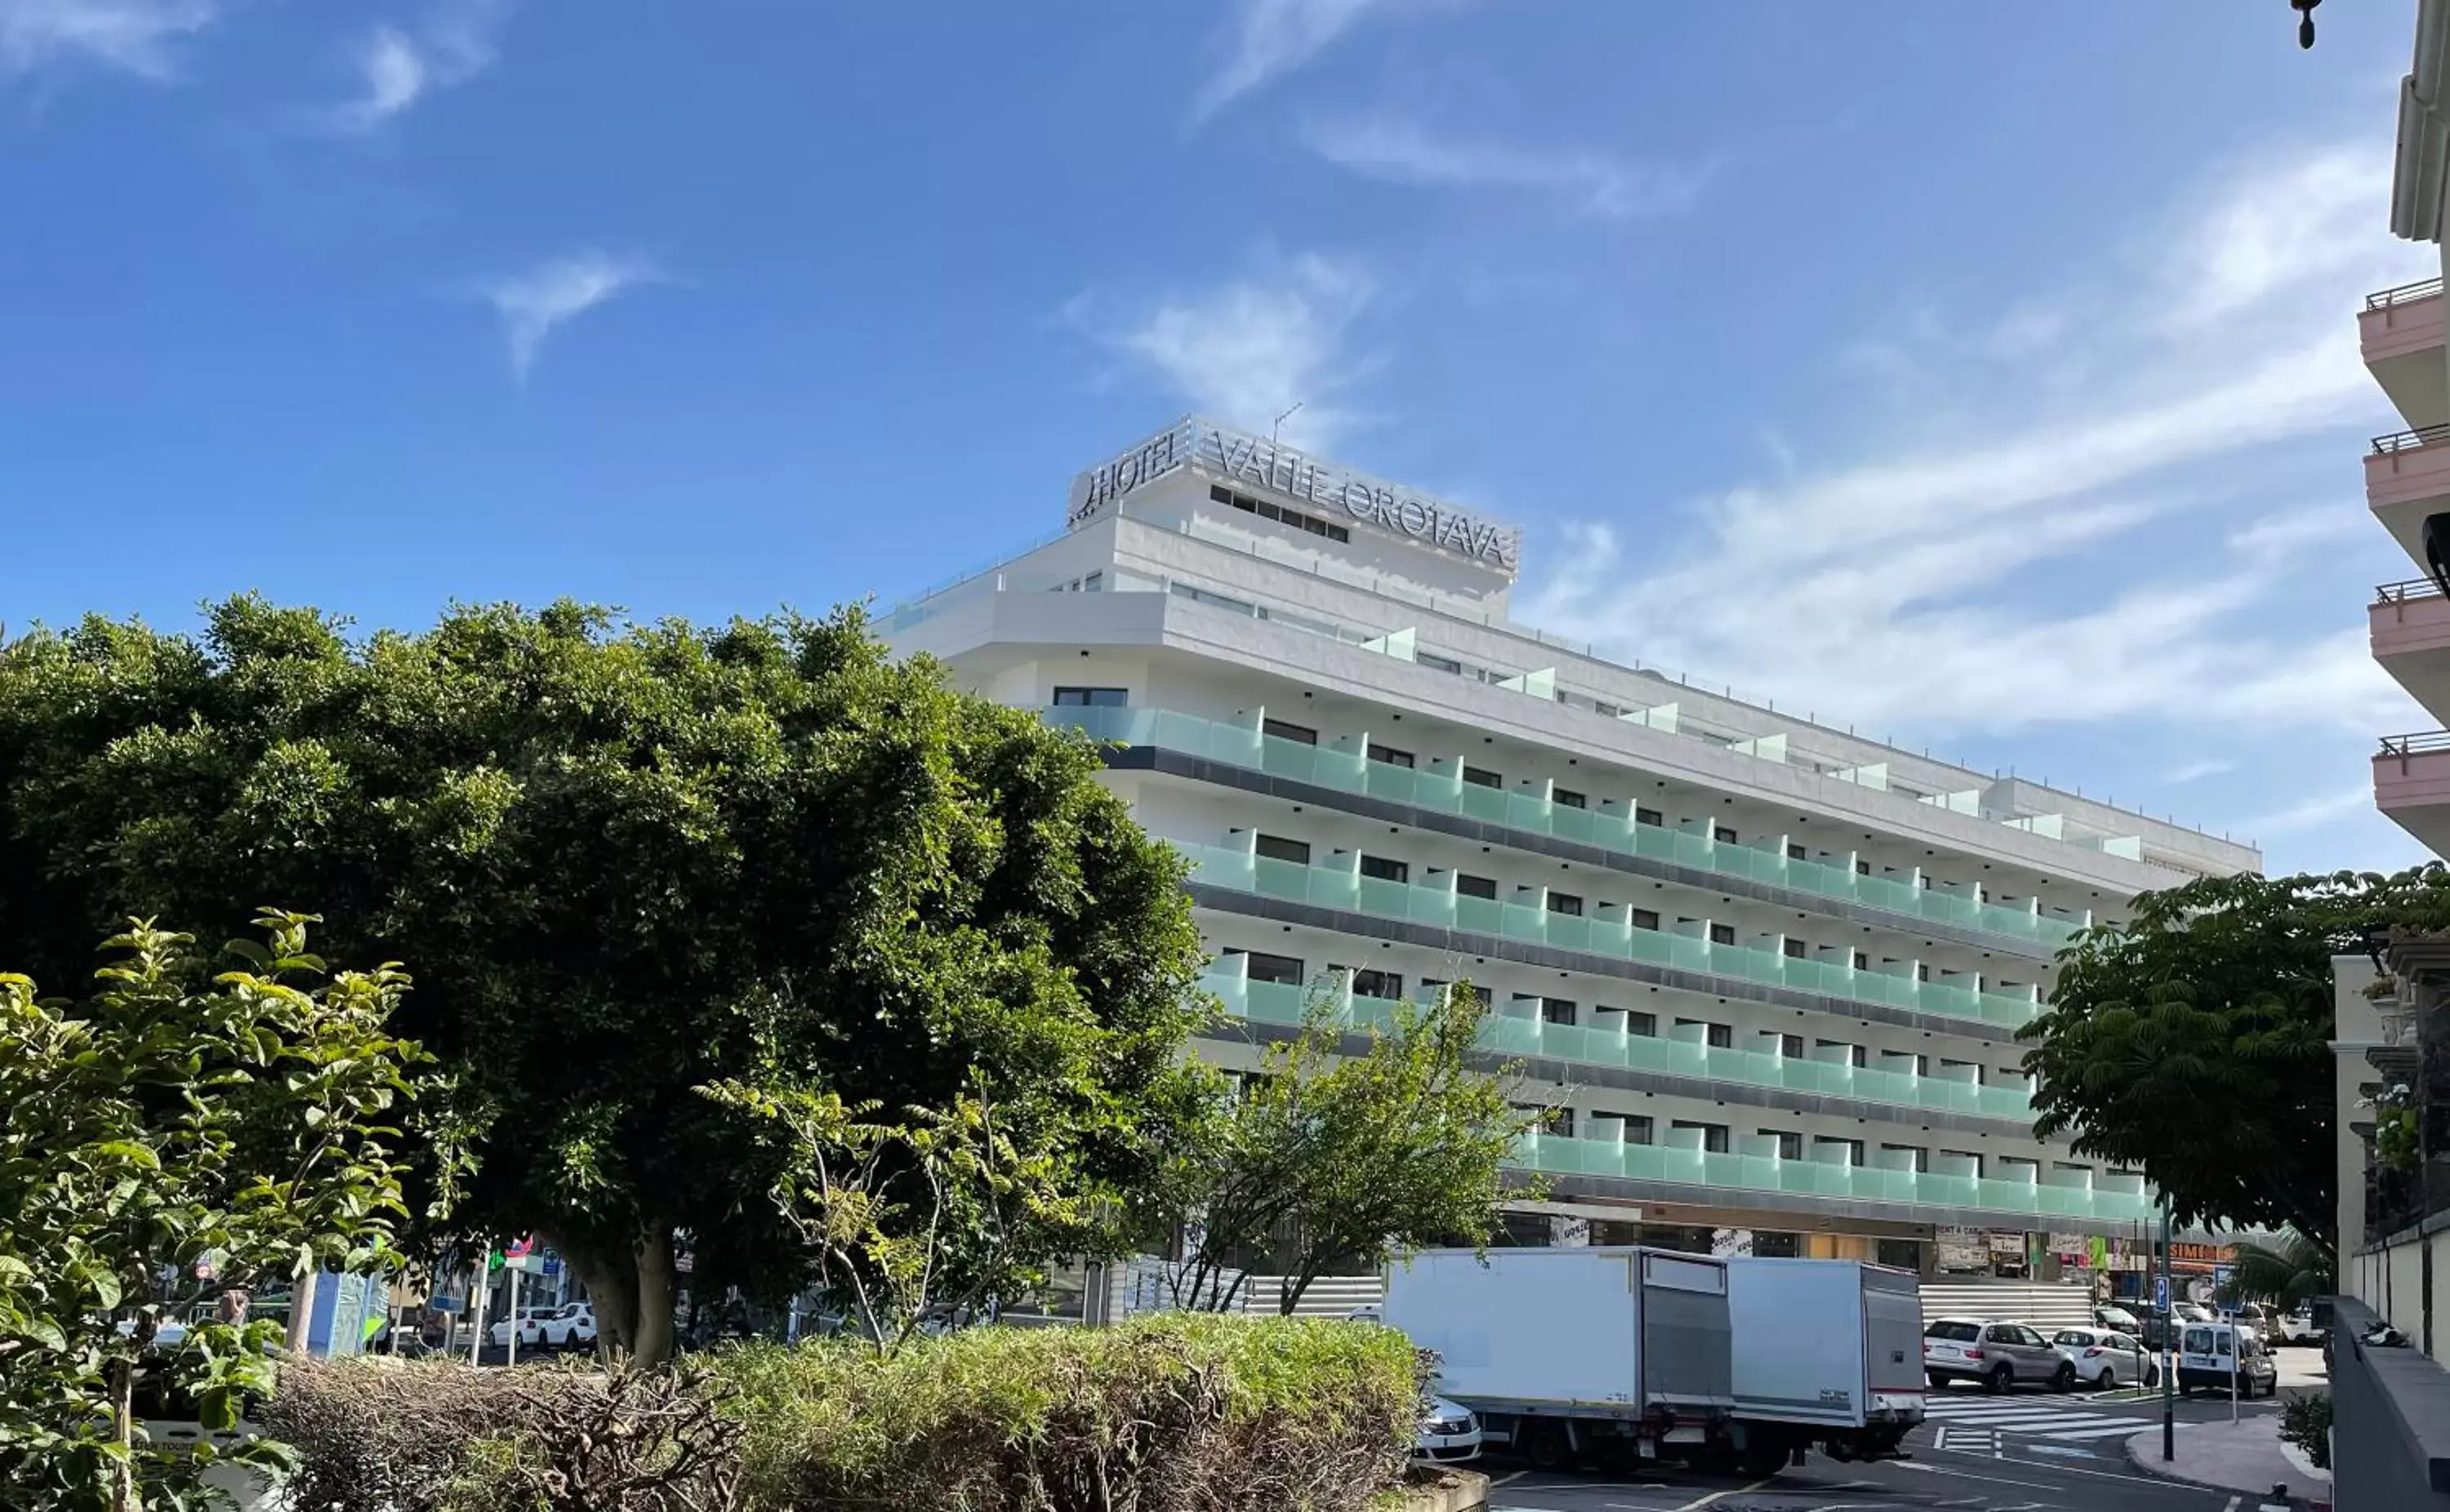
1998	1354
572	1325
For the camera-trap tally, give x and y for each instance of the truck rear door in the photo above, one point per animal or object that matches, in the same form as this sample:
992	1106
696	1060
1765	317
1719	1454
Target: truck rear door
1892	1340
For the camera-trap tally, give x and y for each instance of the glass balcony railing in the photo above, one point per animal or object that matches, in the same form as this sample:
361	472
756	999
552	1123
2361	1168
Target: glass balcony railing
1696	1167
1291	882
1508	1034
1351	772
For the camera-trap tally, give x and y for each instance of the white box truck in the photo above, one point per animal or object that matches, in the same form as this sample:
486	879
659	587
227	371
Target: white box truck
1571	1351
1826	1352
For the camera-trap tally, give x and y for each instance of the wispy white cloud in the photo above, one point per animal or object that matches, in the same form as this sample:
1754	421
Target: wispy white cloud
534	303
131	35
2312	813
398	67
1265	38
2197	770
1403	151
1252	347
1987	574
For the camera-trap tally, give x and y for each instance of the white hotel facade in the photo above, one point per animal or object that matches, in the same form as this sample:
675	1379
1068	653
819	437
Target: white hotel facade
1766	974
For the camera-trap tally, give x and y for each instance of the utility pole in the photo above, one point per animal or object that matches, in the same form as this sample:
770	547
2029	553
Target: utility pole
2168	1337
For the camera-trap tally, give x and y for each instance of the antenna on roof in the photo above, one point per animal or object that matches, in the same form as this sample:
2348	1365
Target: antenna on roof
1281	419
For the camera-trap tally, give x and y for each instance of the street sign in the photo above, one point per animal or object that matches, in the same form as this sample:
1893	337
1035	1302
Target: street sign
445	1305
2160	1292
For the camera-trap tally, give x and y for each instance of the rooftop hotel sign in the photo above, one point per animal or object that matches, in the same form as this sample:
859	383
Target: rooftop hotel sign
1223	453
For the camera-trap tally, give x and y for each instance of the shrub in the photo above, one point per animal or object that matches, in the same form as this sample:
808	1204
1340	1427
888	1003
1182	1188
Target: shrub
1160	1414
2306	1422
1176	1413
434	1436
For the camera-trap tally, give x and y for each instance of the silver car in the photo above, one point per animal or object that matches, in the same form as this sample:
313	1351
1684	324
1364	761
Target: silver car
2105	1358
1996	1352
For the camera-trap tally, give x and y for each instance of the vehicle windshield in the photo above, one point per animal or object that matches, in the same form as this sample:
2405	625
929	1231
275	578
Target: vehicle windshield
1956	1333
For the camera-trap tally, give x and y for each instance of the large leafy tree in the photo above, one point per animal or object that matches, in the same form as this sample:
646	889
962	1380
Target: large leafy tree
1322	1162
626	862
2193	1042
168	1137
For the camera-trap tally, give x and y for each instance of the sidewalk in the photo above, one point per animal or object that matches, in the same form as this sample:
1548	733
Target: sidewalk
2246	1456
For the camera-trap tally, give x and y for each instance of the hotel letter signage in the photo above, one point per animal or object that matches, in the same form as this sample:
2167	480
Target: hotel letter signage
1221	451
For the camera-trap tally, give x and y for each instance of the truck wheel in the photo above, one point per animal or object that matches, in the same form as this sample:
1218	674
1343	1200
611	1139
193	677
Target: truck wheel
1938	1382
1545	1445
2000	1379
1762	1459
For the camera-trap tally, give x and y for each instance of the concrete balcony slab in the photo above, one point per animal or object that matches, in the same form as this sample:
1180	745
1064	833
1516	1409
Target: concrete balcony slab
2401	331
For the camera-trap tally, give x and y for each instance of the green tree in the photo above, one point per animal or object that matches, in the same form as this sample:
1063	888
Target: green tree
2293	1268
2193	1042
1324	1161
170	1126
627	863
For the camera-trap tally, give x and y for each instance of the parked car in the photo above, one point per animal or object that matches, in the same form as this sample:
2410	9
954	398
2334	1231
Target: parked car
2204	1361
2106	1357
2300	1328
1449	1433
2108	1316
1996	1352
567	1327
2252	1315
530	1323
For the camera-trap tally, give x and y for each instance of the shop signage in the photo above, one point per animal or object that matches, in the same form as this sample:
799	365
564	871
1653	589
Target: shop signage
1221	451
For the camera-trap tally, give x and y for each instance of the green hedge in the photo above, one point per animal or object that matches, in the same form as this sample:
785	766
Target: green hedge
1166	1412
1178	1413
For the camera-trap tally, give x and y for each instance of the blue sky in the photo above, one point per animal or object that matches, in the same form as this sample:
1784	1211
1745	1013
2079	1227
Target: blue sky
1984	376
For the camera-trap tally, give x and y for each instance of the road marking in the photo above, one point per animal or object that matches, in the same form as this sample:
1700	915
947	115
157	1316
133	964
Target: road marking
2232	1503
1505	1479
2102	1432
1697	1505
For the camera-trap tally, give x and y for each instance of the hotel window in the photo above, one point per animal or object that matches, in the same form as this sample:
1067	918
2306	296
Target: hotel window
1437	986
1566	904
1862	868
1390	755
1790	1144
1966	1154
1482	777
1723	933
1917	1159
1854	1149
1791	1046
1564	797
1556	1011
1713	1135
1367	984
1793	948
1922	971
1646	918
1601	706
1722	834
1470	886
1285	729
1794	853
1646	1025
1855	1054
1260	966
1437	664
1718	1036
1266	510
1638	1129
1862	962
1384	870
1091	697
1275	847
1651	817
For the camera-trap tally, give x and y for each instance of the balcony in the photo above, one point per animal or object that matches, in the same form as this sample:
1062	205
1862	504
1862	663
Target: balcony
1719	1174
2411	786
1351	772
2410	624
2401	331
1517	1037
2407	478
1617	939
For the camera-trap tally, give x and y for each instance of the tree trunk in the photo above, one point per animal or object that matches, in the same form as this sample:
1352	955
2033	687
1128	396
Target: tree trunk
302	1307
651	1344
123	1432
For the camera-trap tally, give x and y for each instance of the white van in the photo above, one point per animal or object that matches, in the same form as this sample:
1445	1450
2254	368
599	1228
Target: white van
2207	1352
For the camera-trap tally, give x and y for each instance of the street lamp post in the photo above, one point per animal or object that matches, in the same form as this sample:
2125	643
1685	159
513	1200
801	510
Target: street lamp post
2168	1336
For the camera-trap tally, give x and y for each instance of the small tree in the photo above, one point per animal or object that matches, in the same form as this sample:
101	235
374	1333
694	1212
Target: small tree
169	1130
900	1223
1325	1161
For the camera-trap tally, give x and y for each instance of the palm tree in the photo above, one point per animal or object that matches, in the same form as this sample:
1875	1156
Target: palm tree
2287	1272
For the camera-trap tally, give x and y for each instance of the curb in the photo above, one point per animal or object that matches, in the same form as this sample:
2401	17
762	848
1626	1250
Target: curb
2149	1461
1464	1491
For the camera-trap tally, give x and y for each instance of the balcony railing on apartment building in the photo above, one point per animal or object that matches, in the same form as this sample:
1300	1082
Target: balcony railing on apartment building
2404	294
1353	772
1618	938
2410	440
2415	589
2415	745
1514	1032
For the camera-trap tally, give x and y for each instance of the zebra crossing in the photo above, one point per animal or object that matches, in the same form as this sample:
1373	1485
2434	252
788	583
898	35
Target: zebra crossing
1976	1427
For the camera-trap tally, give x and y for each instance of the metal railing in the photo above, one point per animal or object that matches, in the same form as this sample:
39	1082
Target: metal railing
2404	294
2414	588
2410	440
2431	740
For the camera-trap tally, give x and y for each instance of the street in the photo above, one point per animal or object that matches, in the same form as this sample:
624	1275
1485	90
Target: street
2021	1452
